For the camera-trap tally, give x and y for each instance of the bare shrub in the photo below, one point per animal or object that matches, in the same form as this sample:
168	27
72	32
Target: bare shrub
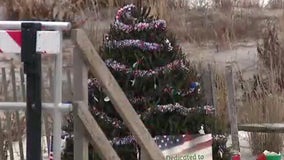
275	4
263	100
199	24
174	4
266	109
33	9
224	5
221	26
264	103
248	3
265	141
271	52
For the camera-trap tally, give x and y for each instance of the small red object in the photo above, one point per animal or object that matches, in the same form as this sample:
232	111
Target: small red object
261	157
236	157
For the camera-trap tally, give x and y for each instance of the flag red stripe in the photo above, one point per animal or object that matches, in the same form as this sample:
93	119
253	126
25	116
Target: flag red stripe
200	146
189	145
16	36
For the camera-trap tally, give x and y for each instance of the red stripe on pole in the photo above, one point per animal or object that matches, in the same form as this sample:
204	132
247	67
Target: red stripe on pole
1	50
16	36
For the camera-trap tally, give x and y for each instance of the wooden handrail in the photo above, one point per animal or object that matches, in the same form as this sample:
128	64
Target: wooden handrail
262	127
97	136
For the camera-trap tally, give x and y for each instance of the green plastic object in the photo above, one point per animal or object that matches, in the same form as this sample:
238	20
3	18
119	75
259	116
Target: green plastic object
273	157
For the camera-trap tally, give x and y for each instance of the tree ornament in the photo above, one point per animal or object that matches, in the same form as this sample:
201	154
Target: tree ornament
132	82
155	86
193	86
155	83
169	45
106	99
201	131
95	98
135	64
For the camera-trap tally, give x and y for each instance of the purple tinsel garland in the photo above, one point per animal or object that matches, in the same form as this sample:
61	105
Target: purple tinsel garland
130	139
145	46
177	64
156	24
94	83
160	108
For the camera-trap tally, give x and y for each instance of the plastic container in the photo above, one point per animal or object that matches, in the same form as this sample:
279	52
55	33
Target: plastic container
236	157
273	157
261	157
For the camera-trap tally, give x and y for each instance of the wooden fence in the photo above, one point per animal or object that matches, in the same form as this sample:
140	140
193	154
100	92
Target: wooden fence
12	89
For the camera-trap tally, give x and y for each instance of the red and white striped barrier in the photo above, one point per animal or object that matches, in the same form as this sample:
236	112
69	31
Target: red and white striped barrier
47	41
46	25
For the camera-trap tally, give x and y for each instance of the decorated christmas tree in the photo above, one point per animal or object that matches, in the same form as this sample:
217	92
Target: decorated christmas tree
160	83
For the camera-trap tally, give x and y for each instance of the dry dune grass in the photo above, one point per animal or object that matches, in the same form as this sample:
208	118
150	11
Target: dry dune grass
271	50
92	15
263	99
259	100
263	106
220	23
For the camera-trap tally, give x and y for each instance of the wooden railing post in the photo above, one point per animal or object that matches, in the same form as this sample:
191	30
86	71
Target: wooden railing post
19	134
213	87
8	115
232	109
80	90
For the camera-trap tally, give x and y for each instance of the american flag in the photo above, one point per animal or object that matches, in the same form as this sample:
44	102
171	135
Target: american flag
186	145
199	146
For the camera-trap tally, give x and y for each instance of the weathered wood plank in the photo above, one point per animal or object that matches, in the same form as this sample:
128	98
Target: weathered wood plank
23	87
262	127
116	95
47	96
213	87
2	144
15	98
98	138
232	109
2	140
206	84
69	82
144	155
80	80
8	115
